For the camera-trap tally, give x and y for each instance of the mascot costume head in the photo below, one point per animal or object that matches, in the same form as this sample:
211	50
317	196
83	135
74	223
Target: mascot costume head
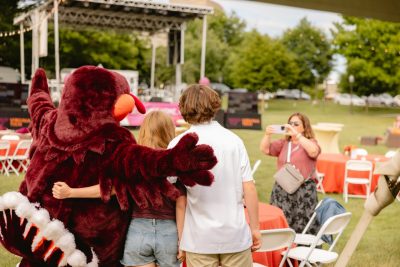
81	143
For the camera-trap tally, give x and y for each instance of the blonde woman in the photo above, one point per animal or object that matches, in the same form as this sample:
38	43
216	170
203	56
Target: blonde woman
154	233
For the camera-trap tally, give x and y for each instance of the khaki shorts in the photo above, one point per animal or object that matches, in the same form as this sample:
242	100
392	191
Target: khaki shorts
237	259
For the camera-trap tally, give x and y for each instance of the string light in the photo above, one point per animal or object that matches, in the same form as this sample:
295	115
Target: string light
15	32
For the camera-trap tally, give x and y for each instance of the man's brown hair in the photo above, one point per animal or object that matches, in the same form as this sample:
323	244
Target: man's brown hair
199	103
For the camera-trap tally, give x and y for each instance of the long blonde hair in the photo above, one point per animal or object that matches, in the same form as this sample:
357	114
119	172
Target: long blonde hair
157	130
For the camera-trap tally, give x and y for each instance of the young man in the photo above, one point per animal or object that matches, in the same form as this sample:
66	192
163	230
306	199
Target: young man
215	229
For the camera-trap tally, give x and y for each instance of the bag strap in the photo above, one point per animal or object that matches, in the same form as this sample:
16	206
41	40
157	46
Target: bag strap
289	152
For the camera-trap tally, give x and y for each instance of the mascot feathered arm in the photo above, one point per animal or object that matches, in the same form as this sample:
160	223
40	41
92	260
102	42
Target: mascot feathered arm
39	101
146	178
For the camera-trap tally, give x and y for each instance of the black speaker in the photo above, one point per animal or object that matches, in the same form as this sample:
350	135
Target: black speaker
174	47
239	102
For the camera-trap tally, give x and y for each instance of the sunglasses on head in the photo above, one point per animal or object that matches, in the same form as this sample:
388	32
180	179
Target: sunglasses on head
294	123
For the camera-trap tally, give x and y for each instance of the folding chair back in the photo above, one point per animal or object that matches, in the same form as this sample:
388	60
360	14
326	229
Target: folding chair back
4	149
255	167
359	166
277	239
311	256
10	137
21	156
334	226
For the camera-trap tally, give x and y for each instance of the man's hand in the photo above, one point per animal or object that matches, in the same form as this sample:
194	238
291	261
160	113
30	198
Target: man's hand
256	236
181	255
61	190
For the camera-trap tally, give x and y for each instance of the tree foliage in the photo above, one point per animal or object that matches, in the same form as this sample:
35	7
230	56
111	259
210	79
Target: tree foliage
262	63
372	50
313	52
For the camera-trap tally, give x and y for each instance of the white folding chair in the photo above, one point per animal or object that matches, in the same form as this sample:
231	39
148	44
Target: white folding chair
4	149
10	137
358	152
308	239
276	239
20	157
357	165
390	154
320	177
255	167
307	256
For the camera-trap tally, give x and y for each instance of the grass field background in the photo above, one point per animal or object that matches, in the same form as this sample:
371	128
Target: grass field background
380	245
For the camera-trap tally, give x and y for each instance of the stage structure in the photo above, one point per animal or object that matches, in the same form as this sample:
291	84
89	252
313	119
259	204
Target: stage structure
153	17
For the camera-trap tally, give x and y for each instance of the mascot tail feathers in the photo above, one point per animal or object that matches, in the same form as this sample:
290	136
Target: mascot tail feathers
27	231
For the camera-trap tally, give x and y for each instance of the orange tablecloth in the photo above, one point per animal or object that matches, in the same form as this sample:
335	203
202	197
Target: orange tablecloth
334	165
270	217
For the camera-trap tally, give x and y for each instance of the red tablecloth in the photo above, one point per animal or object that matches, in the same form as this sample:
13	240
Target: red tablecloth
270	217
334	165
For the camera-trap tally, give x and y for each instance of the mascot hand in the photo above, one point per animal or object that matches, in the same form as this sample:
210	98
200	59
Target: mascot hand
201	177
39	82
188	157
19	240
150	192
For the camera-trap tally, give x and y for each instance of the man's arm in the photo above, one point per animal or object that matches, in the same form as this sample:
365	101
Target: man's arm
180	219
251	200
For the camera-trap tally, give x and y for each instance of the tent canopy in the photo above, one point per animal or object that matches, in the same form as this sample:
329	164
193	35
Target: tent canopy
383	9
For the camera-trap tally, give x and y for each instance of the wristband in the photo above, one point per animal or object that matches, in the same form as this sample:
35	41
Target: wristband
298	136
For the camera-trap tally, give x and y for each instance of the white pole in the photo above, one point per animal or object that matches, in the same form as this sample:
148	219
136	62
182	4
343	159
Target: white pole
153	63
35	41
22	51
203	48
56	43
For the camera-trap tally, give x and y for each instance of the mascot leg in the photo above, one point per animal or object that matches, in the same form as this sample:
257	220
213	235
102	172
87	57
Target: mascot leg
386	191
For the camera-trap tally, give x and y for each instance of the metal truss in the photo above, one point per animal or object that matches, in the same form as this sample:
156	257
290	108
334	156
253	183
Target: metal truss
148	4
118	20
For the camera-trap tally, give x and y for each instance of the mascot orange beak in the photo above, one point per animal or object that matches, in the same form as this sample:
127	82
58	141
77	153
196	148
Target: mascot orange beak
125	105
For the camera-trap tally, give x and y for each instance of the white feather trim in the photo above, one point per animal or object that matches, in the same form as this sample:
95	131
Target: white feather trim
66	243
77	259
95	260
41	218
54	230
36	240
12	199
1	204
25	210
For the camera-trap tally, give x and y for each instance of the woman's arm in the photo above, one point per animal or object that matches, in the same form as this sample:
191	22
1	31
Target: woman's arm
61	191
266	140
309	146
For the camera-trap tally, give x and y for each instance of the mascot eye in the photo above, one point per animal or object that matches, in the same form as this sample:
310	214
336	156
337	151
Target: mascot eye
72	119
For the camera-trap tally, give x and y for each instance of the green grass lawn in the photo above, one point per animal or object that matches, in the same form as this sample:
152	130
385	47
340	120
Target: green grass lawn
381	242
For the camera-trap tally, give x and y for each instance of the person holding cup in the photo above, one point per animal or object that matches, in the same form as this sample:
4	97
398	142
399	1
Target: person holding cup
298	134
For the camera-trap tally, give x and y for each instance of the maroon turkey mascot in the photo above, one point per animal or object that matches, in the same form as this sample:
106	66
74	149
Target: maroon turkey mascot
81	143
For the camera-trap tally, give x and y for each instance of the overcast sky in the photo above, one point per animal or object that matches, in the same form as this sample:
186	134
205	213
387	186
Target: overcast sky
275	19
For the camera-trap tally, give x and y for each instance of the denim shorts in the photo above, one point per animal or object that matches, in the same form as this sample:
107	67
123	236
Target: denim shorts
151	240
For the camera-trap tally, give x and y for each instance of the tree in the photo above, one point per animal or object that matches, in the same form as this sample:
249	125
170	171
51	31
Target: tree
372	50
262	63
9	45
313	51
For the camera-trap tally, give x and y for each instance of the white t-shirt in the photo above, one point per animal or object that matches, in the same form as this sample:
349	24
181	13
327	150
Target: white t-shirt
215	222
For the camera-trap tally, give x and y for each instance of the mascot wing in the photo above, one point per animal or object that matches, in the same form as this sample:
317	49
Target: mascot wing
146	178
